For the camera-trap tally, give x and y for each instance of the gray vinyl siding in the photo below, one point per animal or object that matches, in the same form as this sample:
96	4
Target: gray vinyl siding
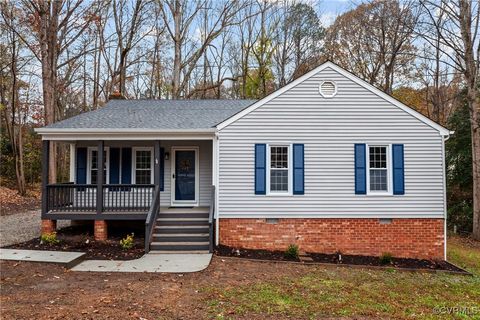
329	128
205	165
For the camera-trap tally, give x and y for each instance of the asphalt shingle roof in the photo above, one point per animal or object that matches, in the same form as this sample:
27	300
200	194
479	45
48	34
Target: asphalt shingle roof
155	114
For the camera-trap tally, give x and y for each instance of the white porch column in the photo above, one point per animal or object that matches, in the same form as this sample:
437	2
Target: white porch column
73	160
215	169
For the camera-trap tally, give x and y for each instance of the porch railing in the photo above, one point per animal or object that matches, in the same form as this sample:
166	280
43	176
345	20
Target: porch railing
67	197
131	197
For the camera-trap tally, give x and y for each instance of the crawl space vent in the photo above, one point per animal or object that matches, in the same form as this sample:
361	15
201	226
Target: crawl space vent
328	89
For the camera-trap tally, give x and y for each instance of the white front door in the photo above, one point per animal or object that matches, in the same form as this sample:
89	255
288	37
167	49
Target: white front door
185	177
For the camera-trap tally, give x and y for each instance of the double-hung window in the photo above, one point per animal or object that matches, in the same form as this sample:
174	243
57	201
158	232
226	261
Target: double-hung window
378	161
93	166
143	165
279	169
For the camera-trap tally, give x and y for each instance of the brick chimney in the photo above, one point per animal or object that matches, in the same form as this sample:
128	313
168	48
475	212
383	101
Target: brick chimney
116	95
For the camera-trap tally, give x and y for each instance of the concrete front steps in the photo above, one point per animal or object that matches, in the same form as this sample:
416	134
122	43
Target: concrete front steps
181	232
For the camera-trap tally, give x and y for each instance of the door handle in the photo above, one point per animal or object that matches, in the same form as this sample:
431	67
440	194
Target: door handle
173	175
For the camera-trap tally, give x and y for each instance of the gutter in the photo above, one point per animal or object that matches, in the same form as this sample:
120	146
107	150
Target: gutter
46	130
445	138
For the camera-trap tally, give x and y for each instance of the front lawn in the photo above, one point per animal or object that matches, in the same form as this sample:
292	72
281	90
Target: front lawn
346	292
231	288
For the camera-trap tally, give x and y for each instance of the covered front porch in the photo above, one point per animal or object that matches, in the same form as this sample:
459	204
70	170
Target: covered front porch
168	183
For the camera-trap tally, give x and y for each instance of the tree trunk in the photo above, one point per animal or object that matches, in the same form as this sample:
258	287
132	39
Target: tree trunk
177	59
48	47
475	129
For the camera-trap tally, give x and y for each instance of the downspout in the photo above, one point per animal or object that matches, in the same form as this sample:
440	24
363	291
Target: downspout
445	138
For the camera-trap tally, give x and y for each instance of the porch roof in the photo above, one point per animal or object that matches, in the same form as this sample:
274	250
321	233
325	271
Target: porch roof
153	115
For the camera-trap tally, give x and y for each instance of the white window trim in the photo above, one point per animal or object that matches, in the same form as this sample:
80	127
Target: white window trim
389	191
89	164
328	95
134	163
290	171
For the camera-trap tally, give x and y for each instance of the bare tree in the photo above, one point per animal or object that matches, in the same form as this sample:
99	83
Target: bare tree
178	17
9	92
375	41
456	36
55	26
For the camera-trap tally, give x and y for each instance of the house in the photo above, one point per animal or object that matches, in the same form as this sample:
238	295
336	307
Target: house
328	162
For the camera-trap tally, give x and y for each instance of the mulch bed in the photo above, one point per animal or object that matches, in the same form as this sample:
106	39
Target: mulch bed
226	251
403	263
80	239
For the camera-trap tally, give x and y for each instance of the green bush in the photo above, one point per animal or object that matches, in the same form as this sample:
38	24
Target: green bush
127	242
49	238
386	258
292	252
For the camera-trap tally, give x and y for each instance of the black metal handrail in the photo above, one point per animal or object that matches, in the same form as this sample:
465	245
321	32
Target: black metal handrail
151	218
211	220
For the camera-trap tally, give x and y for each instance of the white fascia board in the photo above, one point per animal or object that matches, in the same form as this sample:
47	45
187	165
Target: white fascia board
443	131
46	130
124	134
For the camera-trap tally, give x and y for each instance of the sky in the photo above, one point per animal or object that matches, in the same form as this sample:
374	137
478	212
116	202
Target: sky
329	9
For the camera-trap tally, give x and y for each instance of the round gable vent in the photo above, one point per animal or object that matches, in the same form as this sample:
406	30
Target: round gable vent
328	89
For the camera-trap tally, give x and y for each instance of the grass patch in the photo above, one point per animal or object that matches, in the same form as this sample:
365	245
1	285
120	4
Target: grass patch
465	253
347	292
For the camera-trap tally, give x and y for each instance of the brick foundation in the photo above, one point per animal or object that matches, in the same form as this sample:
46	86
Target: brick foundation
410	238
100	230
48	226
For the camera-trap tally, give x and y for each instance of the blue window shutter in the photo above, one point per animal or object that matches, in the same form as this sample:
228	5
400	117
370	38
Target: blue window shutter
398	169
360	169
162	169
260	168
114	165
81	166
298	169
126	165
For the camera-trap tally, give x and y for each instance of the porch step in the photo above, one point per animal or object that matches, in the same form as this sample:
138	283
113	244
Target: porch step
182	221
181	229
177	251
183	215
183	246
180	237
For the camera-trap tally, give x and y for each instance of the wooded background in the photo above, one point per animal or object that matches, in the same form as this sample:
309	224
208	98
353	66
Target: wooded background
61	58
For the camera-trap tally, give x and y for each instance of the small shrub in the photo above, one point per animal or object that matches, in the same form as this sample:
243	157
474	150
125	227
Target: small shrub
386	258
49	238
127	242
292	252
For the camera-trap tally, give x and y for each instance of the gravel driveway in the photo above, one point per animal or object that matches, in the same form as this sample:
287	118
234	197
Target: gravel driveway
23	226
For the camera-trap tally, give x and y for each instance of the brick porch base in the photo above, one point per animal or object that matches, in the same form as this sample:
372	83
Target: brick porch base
48	226
100	230
410	238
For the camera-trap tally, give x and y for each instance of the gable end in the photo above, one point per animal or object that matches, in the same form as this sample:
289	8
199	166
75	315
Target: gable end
442	130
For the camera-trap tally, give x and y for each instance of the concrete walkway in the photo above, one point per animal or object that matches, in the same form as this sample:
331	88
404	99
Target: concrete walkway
68	259
151	262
